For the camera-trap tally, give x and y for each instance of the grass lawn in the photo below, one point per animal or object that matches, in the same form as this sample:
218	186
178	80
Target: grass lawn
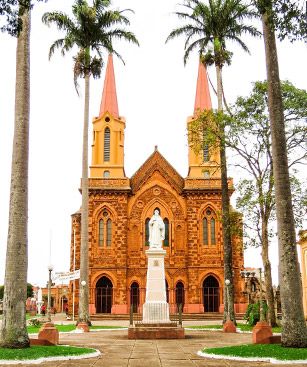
242	327
275	351
36	352
70	327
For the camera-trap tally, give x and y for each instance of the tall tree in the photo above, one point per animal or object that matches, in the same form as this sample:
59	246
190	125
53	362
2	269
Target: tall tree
294	332
92	30
250	138
207	29
13	329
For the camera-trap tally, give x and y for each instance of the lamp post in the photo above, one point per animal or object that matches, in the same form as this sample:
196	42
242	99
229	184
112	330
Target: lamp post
50	268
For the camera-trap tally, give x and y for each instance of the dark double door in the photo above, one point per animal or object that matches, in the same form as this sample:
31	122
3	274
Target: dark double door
211	294
104	295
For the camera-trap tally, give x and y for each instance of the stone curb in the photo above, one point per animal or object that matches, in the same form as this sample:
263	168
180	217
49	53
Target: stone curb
250	359
97	353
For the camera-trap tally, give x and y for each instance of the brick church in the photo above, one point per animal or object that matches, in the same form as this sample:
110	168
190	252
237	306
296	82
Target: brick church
120	208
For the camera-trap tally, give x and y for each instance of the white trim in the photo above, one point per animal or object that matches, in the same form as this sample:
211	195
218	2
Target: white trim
49	359
250	359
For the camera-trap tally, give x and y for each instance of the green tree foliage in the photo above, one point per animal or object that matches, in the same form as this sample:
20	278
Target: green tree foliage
252	315
12	10
29	290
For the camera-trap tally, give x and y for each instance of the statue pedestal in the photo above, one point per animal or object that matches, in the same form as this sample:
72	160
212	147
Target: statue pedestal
156	322
155	308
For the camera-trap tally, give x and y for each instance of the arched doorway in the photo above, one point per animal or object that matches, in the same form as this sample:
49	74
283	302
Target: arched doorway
167	291
104	293
180	294
135	296
211	293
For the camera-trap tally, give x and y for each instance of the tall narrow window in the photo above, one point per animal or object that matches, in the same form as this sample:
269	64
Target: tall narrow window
166	239
105	230
101	234
205	231
206	153
147	232
109	232
106	152
212	231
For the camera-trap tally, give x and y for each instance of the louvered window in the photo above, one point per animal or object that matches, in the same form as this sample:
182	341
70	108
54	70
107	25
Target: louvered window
106	152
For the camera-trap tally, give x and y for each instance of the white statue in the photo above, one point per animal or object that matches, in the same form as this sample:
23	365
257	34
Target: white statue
156	230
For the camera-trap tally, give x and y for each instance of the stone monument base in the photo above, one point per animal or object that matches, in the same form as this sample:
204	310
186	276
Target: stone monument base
156	331
49	334
262	333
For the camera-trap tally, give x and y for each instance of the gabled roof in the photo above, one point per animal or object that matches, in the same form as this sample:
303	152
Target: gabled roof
156	162
202	97
109	96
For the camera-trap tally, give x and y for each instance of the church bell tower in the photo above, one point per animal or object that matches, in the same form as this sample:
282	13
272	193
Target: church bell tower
206	162
108	132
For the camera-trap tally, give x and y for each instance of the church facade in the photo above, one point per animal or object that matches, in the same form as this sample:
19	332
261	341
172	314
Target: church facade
121	207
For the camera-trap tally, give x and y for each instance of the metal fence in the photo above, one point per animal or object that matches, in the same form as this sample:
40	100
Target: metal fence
175	313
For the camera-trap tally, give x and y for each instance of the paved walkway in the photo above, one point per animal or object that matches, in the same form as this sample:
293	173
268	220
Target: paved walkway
118	351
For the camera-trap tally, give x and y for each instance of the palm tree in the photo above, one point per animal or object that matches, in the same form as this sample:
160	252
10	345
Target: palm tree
294	332
207	29
13	330
92	29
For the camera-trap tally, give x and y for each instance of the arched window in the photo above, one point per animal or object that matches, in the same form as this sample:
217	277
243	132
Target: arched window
105	230
205	231
212	225
106	174
180	294
167	291
147	232
101	233
134	296
166	239
109	232
209	228
106	152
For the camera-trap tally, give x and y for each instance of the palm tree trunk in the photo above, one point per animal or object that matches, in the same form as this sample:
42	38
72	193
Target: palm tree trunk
84	261
13	330
294	332
267	273
228	274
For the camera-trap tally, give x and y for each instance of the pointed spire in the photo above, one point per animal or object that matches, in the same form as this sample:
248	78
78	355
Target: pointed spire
109	97
202	98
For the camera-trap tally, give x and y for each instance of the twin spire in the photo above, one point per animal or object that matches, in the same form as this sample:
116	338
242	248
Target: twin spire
202	98
109	96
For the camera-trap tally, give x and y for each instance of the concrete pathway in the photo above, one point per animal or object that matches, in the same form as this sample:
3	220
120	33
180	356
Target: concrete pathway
118	351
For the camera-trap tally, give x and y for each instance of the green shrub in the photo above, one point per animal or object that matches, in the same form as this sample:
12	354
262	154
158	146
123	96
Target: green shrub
35	322
252	315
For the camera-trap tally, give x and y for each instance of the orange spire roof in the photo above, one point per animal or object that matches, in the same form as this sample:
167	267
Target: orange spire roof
202	98
109	97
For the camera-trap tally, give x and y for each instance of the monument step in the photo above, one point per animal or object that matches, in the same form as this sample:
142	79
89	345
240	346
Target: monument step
185	316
